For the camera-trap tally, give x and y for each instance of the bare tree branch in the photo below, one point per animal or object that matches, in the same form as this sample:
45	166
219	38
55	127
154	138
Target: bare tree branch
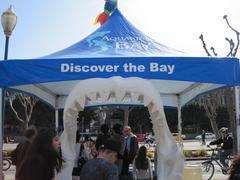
15	112
237	34
204	45
231	43
22	100
213	50
27	102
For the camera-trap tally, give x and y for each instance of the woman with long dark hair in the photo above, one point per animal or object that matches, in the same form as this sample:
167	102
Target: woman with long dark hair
43	159
142	165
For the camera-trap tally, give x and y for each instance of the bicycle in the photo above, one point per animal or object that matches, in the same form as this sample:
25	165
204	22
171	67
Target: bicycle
208	168
6	163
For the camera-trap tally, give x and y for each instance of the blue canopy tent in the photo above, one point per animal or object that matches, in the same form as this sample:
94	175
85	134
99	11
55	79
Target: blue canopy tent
118	49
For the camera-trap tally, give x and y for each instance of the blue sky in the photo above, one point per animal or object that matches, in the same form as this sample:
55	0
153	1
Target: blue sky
47	26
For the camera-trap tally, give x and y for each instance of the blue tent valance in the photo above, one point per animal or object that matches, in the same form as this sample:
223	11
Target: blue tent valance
204	70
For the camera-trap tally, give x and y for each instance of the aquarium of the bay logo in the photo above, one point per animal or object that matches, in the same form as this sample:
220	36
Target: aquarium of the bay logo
96	40
105	40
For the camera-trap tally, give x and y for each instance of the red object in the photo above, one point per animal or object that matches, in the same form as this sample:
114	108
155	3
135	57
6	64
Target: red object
140	137
102	18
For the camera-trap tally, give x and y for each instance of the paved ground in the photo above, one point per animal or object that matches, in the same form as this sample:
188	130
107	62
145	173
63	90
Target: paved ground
188	145
217	173
10	174
194	145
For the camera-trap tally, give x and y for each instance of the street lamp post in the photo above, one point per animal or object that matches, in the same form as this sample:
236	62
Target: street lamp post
9	21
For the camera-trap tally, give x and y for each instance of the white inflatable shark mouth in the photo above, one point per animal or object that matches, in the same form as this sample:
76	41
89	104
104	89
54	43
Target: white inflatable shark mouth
122	90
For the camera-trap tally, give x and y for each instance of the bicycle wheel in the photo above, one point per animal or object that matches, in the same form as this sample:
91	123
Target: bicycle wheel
207	170
6	164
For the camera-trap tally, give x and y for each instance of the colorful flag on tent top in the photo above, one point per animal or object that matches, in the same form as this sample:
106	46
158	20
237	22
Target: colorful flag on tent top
109	7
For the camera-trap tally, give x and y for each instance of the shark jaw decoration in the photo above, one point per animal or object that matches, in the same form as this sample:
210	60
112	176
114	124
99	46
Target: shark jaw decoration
119	90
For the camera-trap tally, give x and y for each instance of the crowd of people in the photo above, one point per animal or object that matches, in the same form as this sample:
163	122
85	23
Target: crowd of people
117	147
39	157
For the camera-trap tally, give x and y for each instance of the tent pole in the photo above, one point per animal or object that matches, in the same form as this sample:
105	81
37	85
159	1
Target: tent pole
1	132
179	121
56	119
237	109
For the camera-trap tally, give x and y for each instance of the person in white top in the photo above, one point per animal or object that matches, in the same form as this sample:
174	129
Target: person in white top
142	165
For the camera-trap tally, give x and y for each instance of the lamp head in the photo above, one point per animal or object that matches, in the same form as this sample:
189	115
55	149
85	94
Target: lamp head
9	21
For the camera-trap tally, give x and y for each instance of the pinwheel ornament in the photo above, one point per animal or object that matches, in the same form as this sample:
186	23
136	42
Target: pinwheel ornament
109	7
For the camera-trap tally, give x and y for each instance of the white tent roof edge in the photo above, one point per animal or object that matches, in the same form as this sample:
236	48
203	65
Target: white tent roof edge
169	100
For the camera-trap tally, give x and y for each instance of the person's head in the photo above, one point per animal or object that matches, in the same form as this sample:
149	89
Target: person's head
110	151
104	128
127	130
46	140
88	141
46	145
141	161
30	133
87	138
223	132
142	152
91	143
117	128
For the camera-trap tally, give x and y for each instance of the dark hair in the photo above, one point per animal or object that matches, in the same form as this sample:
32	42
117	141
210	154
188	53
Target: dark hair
117	128
235	169
45	158
141	161
104	128
87	138
30	132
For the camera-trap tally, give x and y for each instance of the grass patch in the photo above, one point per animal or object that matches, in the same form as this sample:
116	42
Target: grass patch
7	152
196	153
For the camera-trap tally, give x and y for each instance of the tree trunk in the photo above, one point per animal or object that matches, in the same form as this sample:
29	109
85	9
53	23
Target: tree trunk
210	103
126	115
230	104
27	102
214	126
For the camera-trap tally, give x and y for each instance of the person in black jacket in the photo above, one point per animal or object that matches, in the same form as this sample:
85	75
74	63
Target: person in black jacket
226	142
102	136
130	150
